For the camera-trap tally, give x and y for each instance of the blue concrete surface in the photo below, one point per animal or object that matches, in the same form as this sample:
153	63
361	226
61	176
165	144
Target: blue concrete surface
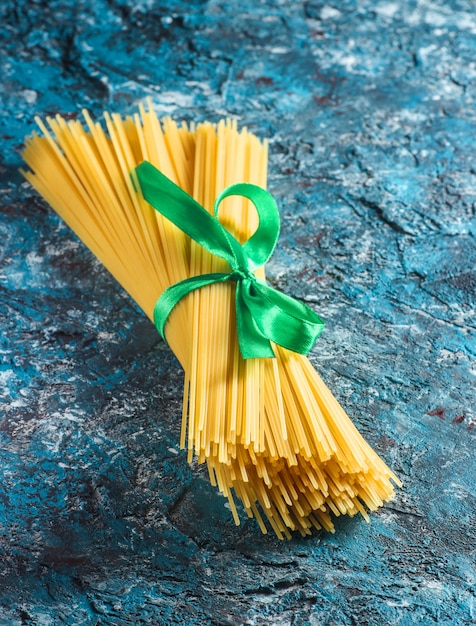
369	107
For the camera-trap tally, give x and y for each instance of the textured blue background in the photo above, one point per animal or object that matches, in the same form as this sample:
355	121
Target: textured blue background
369	107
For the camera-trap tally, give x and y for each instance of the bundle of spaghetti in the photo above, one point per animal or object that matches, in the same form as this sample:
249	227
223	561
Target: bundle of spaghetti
269	429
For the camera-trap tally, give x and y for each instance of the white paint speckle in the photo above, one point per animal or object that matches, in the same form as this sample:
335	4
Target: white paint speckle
348	61
435	18
467	21
106	336
387	9
328	12
5	376
30	96
413	18
399	604
17	404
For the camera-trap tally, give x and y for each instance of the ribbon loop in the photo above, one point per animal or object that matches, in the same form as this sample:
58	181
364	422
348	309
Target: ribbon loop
261	244
263	315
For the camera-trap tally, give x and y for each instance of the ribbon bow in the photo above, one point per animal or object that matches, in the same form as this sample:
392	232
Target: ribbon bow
262	313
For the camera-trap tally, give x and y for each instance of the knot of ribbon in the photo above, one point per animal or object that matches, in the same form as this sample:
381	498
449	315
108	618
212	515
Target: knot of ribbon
263	314
238	274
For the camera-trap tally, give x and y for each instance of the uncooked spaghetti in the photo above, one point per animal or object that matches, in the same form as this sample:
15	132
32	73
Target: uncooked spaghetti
269	430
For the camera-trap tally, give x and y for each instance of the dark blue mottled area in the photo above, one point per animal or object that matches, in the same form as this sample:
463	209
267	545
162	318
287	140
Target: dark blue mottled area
369	107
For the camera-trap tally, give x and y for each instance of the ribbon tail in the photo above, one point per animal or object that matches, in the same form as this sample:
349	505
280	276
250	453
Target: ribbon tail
172	296
253	344
281	319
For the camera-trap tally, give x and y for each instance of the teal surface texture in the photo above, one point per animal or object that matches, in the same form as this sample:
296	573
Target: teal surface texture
369	108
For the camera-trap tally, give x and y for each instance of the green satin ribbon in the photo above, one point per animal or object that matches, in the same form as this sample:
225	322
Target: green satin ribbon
263	315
